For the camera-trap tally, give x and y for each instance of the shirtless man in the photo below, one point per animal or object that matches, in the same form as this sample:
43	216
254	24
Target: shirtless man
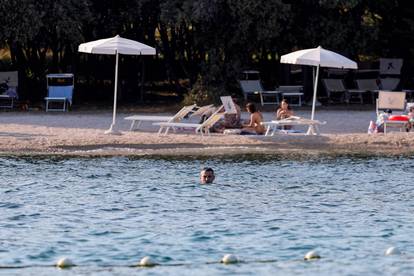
207	176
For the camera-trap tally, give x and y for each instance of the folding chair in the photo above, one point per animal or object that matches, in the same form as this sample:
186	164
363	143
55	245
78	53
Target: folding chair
394	101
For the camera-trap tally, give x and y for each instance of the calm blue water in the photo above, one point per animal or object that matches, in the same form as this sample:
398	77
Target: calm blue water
107	213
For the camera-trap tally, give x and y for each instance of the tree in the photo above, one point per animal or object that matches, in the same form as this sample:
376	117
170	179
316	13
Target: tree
43	26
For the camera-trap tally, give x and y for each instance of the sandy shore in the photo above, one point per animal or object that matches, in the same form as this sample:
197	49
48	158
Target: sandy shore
82	134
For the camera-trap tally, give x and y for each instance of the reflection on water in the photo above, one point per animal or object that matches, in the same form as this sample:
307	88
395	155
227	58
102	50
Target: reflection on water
113	211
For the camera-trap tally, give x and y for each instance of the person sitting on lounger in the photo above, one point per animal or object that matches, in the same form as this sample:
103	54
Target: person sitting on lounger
283	112
254	126
381	118
410	119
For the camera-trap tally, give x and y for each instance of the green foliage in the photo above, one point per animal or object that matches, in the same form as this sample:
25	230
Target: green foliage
201	93
207	42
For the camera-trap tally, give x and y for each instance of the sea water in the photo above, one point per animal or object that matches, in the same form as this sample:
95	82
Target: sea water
105	214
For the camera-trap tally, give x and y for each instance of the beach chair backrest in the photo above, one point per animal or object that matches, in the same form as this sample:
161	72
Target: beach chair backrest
212	120
203	109
228	104
290	88
367	84
390	100
334	85
182	113
390	66
249	86
11	77
390	83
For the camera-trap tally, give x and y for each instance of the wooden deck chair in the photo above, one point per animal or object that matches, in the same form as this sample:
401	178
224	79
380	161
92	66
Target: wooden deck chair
138	119
395	101
201	128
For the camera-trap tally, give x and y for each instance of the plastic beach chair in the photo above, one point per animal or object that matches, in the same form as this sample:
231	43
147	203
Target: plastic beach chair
8	88
138	119
336	87
255	87
201	128
368	85
394	101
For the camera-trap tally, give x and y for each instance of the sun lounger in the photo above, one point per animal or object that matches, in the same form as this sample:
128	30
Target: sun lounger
394	101
255	87
389	84
138	119
59	91
203	128
369	85
292	91
272	126
6	101
337	87
8	94
202	110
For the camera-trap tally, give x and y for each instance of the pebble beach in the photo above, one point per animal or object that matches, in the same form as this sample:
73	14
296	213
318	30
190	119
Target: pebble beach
81	133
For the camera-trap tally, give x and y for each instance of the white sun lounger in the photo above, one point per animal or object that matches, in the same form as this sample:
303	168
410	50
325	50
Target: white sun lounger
203	128
272	126
138	119
10	78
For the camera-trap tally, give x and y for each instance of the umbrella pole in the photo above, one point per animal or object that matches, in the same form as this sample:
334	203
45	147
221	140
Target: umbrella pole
111	129
315	89
311	129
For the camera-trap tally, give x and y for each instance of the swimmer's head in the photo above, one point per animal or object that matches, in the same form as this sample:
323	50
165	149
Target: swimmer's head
207	176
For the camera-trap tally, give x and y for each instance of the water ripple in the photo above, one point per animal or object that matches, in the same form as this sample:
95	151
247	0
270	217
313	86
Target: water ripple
113	211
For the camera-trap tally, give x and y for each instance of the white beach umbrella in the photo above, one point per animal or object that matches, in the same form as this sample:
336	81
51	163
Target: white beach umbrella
318	57
115	46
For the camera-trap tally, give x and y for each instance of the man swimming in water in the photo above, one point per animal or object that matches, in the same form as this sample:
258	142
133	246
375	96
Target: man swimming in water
207	176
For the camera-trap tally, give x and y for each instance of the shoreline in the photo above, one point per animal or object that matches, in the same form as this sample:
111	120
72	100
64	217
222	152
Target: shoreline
357	145
82	134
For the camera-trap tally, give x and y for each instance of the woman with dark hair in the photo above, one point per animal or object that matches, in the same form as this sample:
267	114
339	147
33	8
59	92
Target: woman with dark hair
254	126
283	112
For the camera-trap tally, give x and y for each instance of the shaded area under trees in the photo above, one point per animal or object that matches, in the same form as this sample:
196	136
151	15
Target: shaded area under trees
202	45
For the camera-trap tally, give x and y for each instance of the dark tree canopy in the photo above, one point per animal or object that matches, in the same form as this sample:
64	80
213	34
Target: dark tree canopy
202	43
